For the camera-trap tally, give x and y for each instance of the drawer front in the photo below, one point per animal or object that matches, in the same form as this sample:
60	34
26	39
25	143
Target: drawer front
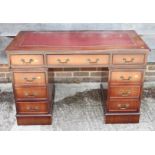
125	91
129	59
123	105
23	78
126	77
32	107
31	92
77	59
26	60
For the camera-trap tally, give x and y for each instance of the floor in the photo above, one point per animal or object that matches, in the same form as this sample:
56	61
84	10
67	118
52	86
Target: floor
77	107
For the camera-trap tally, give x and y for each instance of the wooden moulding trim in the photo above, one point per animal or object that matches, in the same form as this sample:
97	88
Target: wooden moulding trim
4	68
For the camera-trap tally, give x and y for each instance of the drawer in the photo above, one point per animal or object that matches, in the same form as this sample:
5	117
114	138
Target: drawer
24	78
77	59
32	107
126	76
26	60
31	92
129	59
123	105
125	91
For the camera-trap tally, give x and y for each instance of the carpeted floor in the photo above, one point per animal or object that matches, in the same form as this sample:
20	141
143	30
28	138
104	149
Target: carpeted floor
76	107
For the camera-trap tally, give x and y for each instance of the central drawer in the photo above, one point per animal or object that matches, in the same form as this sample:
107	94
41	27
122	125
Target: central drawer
125	91
32	107
31	92
24	78
77	60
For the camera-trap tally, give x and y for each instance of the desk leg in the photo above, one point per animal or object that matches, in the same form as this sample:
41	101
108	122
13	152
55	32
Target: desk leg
32	96
123	98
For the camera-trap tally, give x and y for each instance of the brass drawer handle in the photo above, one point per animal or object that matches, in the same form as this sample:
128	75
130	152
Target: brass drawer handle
125	93
30	80
27	62
30	95
128	61
126	79
93	62
63	62
123	106
36	108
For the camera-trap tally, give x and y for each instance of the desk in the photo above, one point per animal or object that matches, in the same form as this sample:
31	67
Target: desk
30	55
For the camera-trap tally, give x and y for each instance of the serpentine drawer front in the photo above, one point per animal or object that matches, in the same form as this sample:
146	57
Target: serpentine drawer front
31	54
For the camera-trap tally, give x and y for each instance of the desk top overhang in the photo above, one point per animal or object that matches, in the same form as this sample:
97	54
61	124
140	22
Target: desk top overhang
76	40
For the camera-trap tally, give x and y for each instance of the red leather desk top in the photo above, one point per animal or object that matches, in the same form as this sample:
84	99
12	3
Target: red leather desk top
77	40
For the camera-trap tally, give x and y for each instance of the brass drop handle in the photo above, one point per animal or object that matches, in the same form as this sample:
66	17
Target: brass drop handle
30	95
36	108
125	92
123	106
128	61
126	79
63	62
30	80
93	62
27	62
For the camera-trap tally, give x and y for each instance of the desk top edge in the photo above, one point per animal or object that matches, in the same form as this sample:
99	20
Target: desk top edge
77	40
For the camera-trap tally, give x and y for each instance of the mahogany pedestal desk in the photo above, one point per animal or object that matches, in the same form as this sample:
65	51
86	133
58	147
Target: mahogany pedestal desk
30	55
